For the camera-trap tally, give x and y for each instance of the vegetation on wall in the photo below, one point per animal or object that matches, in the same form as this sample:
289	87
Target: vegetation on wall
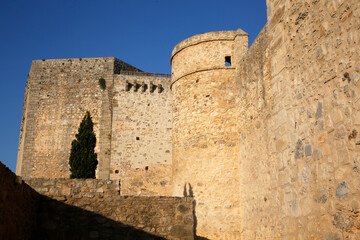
102	83
83	159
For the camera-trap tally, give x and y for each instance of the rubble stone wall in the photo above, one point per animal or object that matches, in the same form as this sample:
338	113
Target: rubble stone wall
299	154
77	188
87	209
59	92
205	132
141	148
93	208
132	127
117	217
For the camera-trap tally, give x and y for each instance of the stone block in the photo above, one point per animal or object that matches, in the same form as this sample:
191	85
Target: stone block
308	150
299	149
337	116
342	190
319	111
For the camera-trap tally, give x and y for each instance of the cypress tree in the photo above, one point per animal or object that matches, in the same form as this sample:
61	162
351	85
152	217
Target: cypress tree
83	159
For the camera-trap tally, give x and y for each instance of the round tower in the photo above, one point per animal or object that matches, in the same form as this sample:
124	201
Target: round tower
205	129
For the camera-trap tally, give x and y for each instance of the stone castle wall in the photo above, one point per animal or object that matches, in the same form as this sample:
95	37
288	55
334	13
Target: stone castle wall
296	130
132	127
299	154
59	92
268	147
141	134
205	131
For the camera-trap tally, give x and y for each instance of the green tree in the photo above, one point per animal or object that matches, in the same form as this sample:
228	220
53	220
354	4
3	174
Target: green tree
83	159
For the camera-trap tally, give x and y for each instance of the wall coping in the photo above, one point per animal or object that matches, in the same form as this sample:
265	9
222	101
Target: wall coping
207	37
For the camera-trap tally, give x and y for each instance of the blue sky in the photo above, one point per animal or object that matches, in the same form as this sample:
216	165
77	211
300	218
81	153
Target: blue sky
139	32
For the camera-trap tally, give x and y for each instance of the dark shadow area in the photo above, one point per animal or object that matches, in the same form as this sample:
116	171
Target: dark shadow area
128	86
200	238
144	87
60	221
195	222
160	88
191	194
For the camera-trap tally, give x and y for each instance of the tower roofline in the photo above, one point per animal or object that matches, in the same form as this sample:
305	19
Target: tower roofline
207	37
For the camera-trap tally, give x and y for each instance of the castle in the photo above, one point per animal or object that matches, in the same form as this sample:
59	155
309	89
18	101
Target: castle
265	139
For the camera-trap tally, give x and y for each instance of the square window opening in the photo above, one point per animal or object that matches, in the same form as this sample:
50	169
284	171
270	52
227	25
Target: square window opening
228	61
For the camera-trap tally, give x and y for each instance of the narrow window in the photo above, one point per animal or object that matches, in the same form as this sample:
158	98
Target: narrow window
137	138
228	61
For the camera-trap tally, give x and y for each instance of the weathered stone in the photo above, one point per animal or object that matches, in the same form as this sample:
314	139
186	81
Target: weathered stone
356	161
318	113
299	149
309	113
340	132
342	190
317	154
305	58
306	174
308	150
183	209
180	230
341	221
333	236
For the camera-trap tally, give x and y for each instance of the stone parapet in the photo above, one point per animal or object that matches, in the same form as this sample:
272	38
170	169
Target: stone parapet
117	217
74	188
204	37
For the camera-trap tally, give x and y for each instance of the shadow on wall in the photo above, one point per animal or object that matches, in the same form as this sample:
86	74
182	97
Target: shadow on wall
201	238
191	194
60	221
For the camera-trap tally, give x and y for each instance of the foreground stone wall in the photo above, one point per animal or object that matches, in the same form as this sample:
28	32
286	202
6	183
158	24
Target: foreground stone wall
87	209
18	207
118	217
299	154
141	134
108	215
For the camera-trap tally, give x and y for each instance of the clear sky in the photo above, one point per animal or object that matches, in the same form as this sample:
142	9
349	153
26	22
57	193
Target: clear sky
139	32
